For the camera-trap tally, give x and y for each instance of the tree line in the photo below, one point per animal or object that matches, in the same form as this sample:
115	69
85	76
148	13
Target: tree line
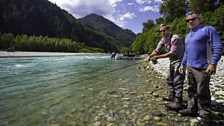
212	13
42	18
24	42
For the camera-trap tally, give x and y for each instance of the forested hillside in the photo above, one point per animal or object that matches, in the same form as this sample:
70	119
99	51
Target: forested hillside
42	18
99	23
212	13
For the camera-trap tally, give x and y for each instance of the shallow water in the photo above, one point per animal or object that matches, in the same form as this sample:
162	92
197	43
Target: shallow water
58	90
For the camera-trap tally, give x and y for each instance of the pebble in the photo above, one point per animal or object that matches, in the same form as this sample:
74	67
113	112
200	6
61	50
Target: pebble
126	99
98	123
155	95
123	89
220	101
157	118
194	122
110	124
219	93
146	118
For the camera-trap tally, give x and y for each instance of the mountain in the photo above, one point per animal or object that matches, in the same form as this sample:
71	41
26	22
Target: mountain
99	23
41	17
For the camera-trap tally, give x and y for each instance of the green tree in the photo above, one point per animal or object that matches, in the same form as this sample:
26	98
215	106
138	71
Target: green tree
7	41
160	21
148	25
172	9
202	6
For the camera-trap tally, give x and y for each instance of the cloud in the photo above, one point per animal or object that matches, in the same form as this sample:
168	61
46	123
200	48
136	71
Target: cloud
158	1
154	8
127	15
140	2
110	9
148	5
81	8
131	4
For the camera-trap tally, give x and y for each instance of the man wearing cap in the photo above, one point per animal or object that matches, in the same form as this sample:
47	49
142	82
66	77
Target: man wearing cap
203	50
174	50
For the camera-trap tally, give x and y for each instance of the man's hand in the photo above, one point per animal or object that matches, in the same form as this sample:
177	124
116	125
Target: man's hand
211	69
154	58
182	69
147	59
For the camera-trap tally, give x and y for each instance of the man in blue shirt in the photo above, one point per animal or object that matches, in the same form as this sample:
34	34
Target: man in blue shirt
203	49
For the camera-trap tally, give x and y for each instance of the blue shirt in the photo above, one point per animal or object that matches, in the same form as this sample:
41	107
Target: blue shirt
202	47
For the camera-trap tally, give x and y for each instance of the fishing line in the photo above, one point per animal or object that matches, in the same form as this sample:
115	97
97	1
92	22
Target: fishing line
104	73
90	86
89	78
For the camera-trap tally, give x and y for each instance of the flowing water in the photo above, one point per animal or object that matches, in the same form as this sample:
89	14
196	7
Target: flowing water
49	90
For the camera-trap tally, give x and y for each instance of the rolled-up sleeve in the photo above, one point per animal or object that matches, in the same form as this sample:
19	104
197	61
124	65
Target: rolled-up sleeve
175	42
174	46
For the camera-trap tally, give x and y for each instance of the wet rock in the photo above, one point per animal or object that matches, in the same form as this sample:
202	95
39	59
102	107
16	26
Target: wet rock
122	89
219	93
126	99
146	118
155	95
110	124
111	92
220	101
194	122
98	123
111	119
91	89
132	93
156	118
55	125
161	124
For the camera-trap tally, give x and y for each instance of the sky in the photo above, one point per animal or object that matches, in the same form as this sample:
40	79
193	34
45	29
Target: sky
128	14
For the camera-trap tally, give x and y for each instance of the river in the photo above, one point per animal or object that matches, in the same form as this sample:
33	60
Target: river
59	90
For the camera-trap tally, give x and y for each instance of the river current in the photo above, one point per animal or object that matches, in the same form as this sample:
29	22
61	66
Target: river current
49	90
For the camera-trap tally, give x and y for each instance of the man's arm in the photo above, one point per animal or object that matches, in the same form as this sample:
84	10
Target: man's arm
217	49
216	44
148	58
155	52
162	56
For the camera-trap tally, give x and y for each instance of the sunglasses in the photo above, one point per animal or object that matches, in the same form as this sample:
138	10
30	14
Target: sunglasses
162	30
192	19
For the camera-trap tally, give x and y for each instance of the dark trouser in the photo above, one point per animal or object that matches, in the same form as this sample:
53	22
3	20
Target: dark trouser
199	93
175	80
